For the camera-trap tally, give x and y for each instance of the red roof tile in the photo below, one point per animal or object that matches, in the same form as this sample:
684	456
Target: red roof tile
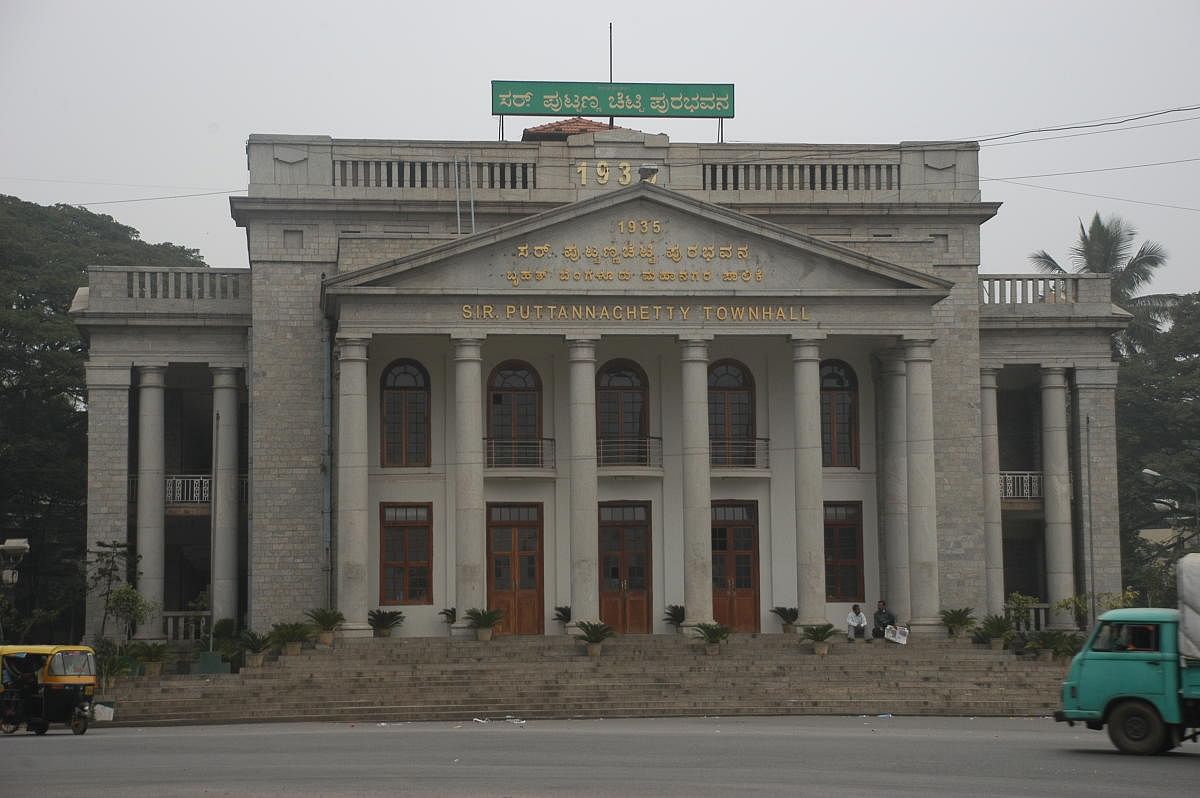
558	131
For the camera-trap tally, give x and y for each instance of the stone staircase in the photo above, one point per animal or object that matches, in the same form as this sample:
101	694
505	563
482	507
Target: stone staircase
410	679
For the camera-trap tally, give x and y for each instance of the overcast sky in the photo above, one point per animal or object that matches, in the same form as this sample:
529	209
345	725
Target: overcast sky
104	101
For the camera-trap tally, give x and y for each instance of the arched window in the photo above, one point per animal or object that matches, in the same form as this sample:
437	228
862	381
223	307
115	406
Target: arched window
514	416
839	414
404	414
622	414
731	414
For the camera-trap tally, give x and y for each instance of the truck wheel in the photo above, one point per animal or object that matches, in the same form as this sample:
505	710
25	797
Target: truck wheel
1135	728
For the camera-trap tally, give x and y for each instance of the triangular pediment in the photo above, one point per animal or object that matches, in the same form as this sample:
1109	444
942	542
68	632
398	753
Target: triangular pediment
639	240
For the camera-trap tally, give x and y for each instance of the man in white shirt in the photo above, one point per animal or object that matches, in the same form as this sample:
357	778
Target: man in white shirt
856	624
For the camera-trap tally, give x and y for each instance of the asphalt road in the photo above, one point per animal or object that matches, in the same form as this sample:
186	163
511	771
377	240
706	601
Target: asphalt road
679	757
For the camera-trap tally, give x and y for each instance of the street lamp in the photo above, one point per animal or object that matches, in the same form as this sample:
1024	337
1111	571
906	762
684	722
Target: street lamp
11	553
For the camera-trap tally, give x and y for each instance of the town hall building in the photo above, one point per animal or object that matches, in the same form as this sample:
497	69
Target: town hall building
599	369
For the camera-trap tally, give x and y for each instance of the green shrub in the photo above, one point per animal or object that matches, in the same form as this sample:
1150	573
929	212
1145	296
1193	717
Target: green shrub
294	632
255	643
484	619
326	619
449	615
675	615
712	632
225	629
997	627
384	619
958	621
818	633
786	615
594	631
562	615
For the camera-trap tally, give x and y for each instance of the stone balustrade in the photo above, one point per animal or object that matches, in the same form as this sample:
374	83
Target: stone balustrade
149	291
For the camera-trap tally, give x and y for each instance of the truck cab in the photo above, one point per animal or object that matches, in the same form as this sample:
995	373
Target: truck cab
1131	677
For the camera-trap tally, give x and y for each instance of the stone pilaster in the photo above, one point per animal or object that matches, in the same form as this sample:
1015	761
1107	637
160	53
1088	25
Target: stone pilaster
993	534
108	470
1056	492
810	508
151	499
922	488
470	523
224	591
585	532
697	485
353	554
894	512
1096	390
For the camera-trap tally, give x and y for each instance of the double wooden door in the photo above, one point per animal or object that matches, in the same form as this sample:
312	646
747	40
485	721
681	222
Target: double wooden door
625	567
514	584
735	565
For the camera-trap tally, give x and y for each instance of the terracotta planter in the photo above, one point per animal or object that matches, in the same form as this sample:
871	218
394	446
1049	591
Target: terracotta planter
292	649
997	644
383	632
789	628
483	634
325	637
593	649
821	648
152	669
712	648
255	659
1045	654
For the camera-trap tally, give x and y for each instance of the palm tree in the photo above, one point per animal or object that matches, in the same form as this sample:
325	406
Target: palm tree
1104	248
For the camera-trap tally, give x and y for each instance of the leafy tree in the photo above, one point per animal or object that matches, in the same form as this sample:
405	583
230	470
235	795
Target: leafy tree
44	255
1104	247
1158	407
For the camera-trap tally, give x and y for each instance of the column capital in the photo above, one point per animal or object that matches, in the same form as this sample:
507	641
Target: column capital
892	362
467	348
224	376
582	348
1054	377
352	348
693	349
916	349
152	376
987	378
806	348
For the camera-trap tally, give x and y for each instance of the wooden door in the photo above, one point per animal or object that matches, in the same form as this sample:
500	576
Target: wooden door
625	567
735	565
514	545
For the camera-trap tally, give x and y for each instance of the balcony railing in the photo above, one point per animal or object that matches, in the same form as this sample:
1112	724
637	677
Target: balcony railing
629	452
1021	484
739	452
519	453
191	625
1028	289
189	489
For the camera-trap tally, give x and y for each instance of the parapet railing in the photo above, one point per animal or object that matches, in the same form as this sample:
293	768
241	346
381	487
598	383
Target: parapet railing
1020	484
1028	289
189	489
434	174
189	626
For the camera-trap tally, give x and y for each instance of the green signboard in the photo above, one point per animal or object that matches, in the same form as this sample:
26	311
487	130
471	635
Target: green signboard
539	98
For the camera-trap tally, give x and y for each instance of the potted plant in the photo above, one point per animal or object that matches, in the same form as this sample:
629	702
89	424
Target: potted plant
713	634
291	637
113	659
819	634
483	621
593	633
254	648
449	617
382	622
788	617
327	620
674	616
1044	644
1019	610
563	616
998	629
958	622
151	655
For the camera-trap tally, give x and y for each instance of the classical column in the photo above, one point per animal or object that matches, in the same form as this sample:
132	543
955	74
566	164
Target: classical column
895	485
469	529
151	499
1056	492
1096	390
697	485
993	536
107	470
922	488
810	507
353	555
224	593
585	578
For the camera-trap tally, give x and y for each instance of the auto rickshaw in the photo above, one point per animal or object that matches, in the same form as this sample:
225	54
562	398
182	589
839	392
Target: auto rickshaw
40	685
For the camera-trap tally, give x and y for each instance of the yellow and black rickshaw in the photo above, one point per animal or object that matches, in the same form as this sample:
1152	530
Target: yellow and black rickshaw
40	685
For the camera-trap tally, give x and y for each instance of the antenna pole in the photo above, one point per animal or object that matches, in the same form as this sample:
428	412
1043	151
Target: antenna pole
610	69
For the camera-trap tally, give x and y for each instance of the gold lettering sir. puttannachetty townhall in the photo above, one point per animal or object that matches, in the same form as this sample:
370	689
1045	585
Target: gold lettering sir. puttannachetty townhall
578	311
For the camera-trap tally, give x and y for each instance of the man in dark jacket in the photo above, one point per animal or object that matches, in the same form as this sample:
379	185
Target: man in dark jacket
883	618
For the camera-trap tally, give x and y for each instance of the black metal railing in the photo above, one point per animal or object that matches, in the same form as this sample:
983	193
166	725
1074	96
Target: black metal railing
629	452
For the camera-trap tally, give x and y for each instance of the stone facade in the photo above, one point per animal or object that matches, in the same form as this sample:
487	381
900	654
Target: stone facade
798	264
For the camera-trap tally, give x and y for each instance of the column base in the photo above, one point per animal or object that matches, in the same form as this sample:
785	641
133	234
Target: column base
691	622
352	630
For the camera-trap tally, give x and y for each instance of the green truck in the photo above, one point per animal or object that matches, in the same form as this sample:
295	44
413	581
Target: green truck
1139	673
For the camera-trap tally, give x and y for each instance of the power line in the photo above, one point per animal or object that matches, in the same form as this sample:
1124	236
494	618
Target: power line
97	183
150	199
1101	196
1091	132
